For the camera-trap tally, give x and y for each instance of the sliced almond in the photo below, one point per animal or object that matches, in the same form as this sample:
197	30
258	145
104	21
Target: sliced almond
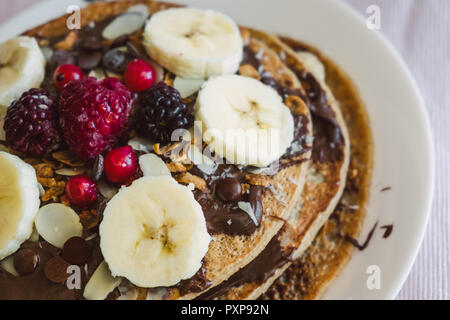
34	235
7	264
202	162
127	23
141	144
70	172
187	87
152	165
107	190
101	283
159	71
57	223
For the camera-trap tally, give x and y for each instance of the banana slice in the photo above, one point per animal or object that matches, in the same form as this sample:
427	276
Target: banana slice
22	67
19	202
194	43
154	233
244	120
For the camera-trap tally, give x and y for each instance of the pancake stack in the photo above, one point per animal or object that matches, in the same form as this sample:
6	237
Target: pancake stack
237	243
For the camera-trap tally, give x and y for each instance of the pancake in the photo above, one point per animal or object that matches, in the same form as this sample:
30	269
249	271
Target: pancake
231	250
324	185
311	275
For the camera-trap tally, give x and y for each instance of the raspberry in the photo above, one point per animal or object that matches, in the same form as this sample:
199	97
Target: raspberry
162	111
31	124
93	114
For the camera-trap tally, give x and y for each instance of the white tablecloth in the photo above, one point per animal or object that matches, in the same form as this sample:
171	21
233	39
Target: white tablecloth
420	30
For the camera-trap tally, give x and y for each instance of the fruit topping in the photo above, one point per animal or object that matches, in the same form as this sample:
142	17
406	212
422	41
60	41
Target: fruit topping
93	114
202	44
31	124
162	110
64	74
120	164
76	250
25	261
228	189
81	191
154	233
139	75
19	194
22	67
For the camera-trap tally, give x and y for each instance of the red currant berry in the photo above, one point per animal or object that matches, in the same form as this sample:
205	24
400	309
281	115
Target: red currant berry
66	73
139	75
81	191
120	164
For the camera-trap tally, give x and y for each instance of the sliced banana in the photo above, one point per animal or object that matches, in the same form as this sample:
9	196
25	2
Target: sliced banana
57	223
101	283
194	43
154	233
244	120
3	111
22	67
152	165
19	202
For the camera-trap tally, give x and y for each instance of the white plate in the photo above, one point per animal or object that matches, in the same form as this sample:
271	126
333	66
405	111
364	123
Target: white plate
403	145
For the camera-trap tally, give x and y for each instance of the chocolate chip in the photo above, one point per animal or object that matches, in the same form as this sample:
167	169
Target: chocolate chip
97	169
25	261
120	41
134	51
88	61
255	199
76	250
90	44
61	57
228	189
55	270
115	60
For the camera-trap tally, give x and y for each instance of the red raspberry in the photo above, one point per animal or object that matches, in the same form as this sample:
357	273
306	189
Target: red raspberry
31	124
93	114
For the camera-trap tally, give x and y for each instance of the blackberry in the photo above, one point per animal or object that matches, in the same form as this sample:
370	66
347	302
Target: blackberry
31	124
162	110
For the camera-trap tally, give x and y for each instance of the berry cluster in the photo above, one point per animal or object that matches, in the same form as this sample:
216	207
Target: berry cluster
89	117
